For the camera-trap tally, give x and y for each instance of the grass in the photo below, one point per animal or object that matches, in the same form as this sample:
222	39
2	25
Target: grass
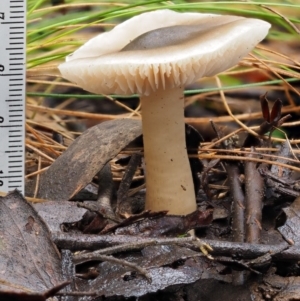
55	31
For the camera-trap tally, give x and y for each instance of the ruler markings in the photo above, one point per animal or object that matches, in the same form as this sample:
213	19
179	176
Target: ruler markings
12	22
12	97
12	151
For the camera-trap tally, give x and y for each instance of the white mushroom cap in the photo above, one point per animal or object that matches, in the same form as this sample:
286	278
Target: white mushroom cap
160	50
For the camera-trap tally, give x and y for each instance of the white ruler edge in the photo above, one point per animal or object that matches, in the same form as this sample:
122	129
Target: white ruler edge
12	94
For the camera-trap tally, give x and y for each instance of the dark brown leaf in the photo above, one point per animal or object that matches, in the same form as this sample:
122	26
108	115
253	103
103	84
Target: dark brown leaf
291	229
168	225
277	288
116	280
77	166
26	296
56	213
276	112
265	108
29	261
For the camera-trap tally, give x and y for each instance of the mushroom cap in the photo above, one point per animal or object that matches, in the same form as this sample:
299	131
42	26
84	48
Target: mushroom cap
160	50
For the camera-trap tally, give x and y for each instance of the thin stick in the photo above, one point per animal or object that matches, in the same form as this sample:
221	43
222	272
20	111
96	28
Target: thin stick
254	186
98	257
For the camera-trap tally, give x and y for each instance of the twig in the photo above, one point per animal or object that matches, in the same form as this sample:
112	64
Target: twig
106	192
37	178
254	186
94	256
77	242
127	180
131	247
40	153
238	218
282	16
257	160
229	110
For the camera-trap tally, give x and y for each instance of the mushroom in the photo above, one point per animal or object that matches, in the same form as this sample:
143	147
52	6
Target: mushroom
156	54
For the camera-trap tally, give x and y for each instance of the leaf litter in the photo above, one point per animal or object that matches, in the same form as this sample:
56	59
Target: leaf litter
266	270
152	269
30	262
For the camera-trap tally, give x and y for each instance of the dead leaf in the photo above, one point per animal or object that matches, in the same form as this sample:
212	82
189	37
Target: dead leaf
116	280
277	288
291	229
56	213
168	225
86	156
29	261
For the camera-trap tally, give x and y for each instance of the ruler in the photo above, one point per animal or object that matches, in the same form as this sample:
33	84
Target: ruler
12	94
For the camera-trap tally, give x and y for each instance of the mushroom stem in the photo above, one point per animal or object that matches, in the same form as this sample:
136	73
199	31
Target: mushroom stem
165	153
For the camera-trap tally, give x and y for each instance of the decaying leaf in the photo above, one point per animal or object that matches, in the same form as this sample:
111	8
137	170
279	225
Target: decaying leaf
166	265
9	295
291	229
168	225
277	288
77	166
56	213
29	261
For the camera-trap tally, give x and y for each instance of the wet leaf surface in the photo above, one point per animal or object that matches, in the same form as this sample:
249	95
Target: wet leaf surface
178	267
29	261
116	280
57	213
77	166
27	296
168	225
277	288
291	229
